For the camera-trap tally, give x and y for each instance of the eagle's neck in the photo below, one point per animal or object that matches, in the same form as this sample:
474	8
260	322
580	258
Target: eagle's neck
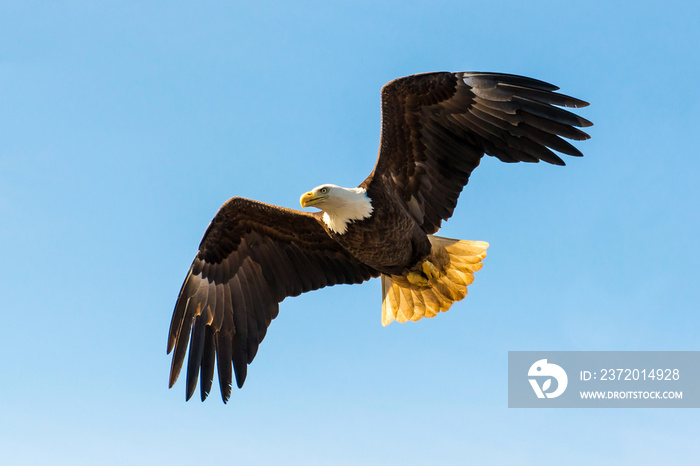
347	205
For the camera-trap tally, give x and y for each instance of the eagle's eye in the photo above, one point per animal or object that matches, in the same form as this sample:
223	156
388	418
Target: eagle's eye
324	190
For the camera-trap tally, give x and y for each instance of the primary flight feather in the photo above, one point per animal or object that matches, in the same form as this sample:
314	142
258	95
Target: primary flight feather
435	129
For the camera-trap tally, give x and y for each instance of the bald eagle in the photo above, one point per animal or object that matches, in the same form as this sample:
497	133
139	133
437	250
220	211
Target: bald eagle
435	129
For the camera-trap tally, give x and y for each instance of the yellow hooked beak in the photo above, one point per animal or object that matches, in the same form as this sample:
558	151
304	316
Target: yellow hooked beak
311	198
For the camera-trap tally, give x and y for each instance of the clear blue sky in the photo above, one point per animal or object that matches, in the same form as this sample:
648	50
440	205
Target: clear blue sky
125	125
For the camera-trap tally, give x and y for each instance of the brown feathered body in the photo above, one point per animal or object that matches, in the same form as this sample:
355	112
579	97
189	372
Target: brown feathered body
389	241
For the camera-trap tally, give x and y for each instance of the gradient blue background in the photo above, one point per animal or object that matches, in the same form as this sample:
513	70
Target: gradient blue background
125	125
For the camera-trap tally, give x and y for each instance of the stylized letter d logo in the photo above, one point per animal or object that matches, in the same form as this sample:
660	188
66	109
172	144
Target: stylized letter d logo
543	369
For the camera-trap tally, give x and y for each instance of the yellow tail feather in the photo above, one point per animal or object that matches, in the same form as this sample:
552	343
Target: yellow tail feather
456	260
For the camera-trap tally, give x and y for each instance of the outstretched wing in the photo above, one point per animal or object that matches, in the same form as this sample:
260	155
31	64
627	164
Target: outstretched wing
437	126
252	256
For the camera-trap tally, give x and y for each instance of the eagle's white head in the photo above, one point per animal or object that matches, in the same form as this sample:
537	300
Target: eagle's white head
340	206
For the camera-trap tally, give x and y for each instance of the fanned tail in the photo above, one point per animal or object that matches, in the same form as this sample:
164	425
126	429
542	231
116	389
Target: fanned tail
456	262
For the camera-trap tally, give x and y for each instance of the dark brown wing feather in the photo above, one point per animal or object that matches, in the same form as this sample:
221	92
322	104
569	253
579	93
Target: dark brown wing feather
252	256
437	126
